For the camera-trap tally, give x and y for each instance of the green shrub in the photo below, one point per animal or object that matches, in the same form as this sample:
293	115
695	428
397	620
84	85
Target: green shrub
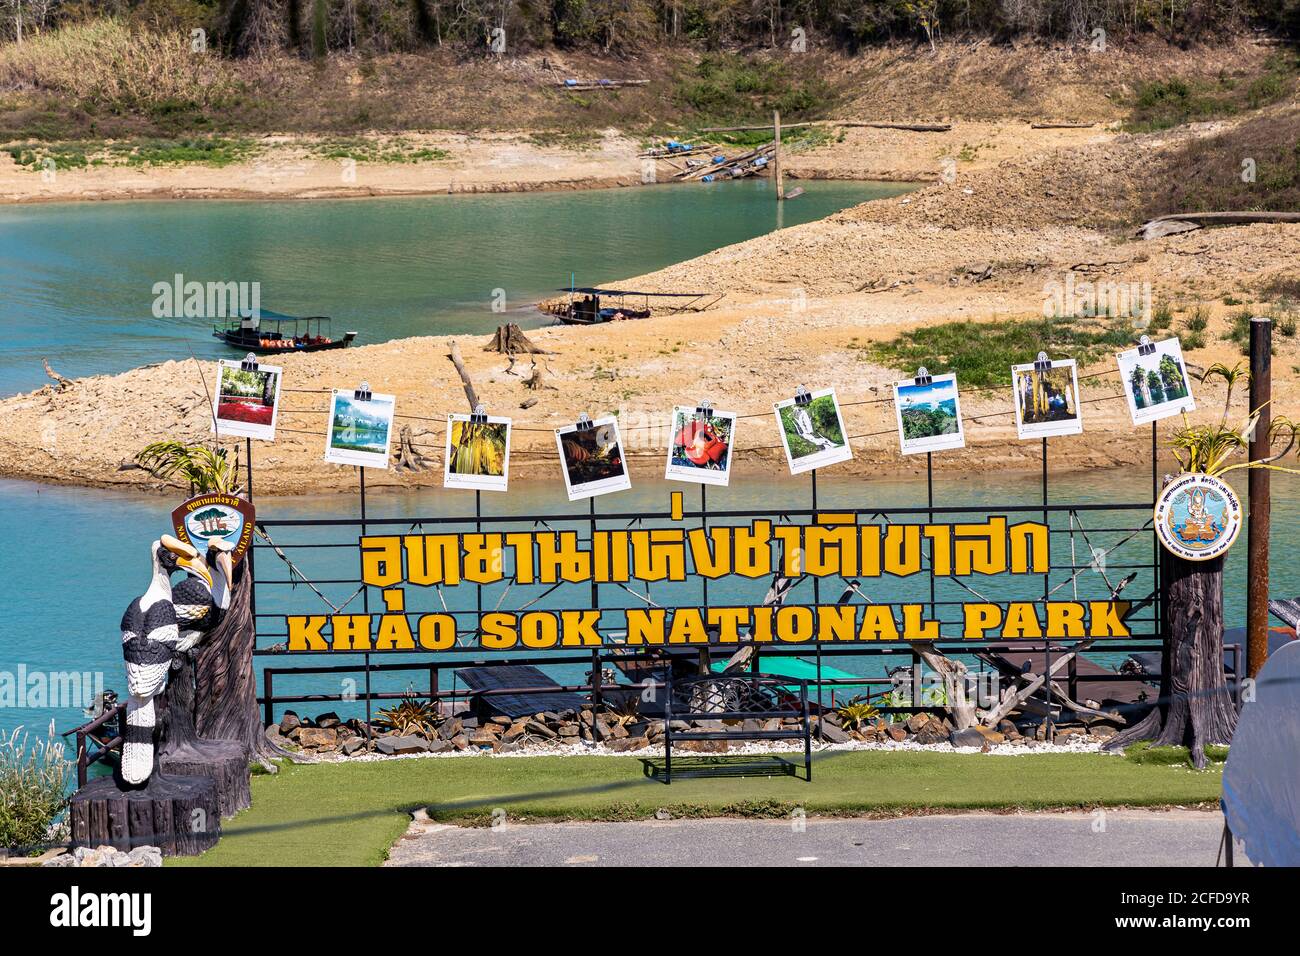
32	788
982	353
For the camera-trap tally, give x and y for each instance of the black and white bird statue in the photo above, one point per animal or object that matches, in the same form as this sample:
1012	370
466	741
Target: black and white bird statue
150	637
203	597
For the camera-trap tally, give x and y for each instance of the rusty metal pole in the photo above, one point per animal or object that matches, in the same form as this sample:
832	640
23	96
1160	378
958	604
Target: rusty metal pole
1261	391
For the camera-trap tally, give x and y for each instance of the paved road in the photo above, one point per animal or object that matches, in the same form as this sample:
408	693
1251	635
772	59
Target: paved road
1109	838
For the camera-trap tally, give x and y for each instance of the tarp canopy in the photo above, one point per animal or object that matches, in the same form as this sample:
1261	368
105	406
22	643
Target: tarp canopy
1261	798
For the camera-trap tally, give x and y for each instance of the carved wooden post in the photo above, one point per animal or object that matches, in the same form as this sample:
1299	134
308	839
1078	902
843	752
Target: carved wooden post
1195	708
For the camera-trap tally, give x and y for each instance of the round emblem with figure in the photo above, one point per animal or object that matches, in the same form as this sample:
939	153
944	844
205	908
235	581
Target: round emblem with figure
1198	517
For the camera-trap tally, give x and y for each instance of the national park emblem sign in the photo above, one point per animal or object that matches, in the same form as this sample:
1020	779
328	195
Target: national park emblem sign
216	517
1198	517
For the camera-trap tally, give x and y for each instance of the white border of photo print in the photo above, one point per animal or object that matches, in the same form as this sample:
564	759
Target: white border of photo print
452	479
1073	426
229	427
1130	359
945	442
349	456
695	473
601	486
817	459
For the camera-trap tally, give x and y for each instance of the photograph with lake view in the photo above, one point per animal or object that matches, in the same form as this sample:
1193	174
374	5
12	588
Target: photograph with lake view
675	434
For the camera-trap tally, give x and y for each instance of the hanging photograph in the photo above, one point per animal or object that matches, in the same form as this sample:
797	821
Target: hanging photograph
246	403
359	429
1047	399
592	459
478	453
699	448
1156	385
813	434
929	416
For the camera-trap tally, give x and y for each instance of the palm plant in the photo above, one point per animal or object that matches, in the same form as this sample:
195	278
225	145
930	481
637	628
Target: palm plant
206	469
410	716
855	714
1206	449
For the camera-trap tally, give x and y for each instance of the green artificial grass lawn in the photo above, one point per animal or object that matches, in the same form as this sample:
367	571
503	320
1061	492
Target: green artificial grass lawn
348	814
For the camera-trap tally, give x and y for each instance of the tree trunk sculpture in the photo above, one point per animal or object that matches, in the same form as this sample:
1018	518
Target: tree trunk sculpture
226	683
1195	707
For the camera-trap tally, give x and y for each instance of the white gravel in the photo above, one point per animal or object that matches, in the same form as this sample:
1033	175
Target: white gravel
751	748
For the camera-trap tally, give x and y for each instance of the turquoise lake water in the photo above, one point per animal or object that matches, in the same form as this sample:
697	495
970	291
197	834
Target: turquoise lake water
76	280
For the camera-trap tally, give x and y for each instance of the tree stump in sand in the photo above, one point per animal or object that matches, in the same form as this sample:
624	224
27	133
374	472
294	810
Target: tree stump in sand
177	814
407	458
510	339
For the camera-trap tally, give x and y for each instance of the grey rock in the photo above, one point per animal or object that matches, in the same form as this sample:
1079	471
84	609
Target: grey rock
832	733
409	744
354	744
970	737
540	729
329	719
289	722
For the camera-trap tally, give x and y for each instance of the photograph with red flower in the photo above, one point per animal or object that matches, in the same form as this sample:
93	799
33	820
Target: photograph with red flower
699	447
247	400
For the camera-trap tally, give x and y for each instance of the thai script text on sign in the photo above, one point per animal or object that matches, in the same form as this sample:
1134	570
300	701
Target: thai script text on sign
835	544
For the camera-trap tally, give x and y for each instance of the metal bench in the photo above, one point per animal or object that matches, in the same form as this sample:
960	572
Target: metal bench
738	697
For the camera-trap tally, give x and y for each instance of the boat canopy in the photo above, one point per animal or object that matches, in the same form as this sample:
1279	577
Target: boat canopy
593	290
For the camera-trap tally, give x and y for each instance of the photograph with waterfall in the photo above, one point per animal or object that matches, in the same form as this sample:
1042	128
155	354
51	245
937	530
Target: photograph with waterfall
812	431
674	434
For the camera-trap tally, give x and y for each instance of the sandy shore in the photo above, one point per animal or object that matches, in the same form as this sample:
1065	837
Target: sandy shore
283	167
800	306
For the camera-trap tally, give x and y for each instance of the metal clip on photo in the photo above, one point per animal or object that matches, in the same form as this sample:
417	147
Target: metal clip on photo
802	396
1042	363
584	423
362	394
923	376
704	410
1146	346
479	416
249	364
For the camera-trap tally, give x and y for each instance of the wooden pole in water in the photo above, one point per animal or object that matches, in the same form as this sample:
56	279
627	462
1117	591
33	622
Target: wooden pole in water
1261	388
778	172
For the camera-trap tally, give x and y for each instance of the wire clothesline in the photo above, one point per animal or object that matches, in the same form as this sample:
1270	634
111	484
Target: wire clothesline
966	419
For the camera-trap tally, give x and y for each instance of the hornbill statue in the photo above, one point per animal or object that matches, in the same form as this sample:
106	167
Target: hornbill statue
150	636
202	599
